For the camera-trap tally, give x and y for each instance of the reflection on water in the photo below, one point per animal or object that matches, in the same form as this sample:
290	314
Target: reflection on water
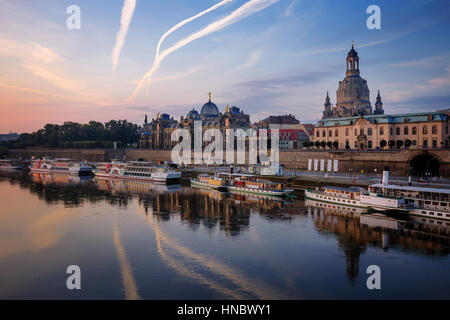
137	240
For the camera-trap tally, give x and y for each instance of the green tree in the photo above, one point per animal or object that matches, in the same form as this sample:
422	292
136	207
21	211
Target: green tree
391	143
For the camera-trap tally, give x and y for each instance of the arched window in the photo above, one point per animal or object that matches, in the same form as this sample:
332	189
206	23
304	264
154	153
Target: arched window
434	129
381	131
330	133
361	131
346	131
336	133
424	130
414	130
369	131
324	133
397	131
391	131
318	134
406	130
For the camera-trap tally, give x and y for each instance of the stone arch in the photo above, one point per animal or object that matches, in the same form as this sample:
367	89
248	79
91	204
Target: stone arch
424	164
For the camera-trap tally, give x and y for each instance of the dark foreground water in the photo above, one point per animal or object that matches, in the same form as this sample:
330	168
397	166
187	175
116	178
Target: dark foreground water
139	241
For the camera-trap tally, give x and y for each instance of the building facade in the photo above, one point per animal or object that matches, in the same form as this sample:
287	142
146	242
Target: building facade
352	124
292	133
157	133
403	131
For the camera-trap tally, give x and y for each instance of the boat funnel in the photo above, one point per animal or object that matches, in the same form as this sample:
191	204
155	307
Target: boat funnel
385	176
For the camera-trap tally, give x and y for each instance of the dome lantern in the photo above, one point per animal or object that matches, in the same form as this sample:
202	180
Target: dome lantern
352	61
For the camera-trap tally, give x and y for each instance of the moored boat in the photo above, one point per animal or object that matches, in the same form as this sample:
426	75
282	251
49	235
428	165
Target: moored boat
420	201
385	197
350	196
248	183
137	170
212	182
10	164
60	165
241	183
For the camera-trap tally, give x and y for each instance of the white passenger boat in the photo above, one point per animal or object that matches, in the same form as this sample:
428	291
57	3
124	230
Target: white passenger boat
350	196
60	165
380	202
137	170
420	201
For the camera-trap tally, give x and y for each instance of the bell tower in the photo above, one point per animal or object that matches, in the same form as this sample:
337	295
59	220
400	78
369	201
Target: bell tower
328	112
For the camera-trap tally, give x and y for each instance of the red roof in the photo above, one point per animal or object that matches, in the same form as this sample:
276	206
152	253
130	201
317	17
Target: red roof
290	134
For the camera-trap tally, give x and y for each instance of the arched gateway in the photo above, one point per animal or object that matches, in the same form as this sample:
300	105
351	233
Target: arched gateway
424	165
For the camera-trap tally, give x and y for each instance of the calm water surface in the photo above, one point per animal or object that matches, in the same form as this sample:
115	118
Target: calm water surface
140	241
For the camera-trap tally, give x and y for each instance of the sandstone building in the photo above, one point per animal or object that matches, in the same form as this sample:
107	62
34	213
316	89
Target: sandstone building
352	124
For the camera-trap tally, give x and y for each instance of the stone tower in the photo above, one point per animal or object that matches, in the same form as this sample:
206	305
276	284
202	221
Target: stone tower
353	95
379	105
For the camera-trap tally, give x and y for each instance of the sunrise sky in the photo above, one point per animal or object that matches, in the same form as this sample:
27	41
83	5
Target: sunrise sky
265	56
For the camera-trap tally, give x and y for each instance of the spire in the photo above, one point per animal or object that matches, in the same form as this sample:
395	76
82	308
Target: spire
209	95
327	112
353	44
327	100
379	105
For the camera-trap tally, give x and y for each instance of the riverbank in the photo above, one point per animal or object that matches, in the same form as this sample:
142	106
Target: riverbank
400	162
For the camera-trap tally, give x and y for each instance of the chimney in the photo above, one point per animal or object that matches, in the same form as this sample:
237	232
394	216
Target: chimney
386	176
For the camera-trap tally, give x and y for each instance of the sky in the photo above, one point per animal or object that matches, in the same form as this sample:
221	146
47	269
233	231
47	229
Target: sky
268	57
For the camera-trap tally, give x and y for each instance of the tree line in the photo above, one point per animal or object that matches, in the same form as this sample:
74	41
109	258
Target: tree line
383	143
76	135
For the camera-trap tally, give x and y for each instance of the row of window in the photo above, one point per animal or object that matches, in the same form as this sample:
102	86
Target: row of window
337	199
434	130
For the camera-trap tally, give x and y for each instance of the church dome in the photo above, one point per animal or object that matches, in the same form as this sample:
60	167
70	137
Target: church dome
193	115
352	87
209	109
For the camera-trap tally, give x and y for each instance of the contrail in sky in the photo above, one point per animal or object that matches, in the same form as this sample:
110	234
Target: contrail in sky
125	20
186	21
249	8
182	23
